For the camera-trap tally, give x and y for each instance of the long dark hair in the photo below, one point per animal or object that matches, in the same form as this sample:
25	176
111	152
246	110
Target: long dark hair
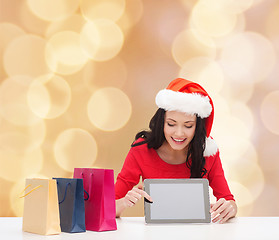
155	137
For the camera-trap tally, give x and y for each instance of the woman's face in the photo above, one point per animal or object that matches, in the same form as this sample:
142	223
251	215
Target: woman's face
179	129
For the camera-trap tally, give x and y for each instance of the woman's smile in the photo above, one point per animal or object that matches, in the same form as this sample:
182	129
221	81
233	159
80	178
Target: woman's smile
179	140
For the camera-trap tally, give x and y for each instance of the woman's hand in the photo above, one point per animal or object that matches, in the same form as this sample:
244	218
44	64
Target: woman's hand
134	195
131	198
223	210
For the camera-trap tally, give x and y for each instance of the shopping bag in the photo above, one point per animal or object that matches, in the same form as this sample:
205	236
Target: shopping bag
41	211
100	206
71	204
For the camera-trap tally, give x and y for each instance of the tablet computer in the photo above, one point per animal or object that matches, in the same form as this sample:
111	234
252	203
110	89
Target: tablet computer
177	201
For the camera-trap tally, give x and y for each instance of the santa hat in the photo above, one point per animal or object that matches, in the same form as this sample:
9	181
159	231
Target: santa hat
185	96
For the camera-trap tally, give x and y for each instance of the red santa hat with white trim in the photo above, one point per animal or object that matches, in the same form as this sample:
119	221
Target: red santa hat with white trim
185	96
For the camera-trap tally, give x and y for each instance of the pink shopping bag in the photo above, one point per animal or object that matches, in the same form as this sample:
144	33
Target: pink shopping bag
100	206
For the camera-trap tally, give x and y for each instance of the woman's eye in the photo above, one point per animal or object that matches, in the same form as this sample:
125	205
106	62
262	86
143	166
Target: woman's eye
188	126
171	125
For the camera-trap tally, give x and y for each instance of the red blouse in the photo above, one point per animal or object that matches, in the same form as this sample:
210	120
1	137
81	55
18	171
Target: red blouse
146	163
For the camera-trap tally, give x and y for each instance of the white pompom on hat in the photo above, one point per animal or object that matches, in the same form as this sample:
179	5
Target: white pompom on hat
185	96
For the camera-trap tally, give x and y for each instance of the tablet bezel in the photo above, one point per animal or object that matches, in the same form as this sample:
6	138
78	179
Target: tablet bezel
203	181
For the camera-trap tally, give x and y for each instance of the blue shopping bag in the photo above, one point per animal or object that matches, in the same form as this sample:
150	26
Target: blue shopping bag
71	204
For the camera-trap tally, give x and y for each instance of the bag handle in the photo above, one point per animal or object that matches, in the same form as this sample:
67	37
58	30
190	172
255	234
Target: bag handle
29	191
90	186
65	192
85	199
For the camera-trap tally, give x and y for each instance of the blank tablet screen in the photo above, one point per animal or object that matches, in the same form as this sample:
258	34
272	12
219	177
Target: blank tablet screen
177	200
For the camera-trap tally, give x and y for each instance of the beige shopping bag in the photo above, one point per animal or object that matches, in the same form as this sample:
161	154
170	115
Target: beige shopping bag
41	210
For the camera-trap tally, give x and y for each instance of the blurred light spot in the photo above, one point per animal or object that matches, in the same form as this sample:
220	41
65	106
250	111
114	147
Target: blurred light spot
268	152
271	28
8	32
188	5
230	6
270	112
235	129
239	27
23	53
114	73
15	140
76	114
212	20
17	203
64	54
254	180
78	81
38	99
231	144
242	194
247	159
109	109
30	22
248	57
108	9
250	174
204	71
242	91
271	21
186	46
244	113
16	164
101	39
24	139
75	148
221	108
257	2
219	41
13	101
270	194
131	16
246	210
52	10
236	140
164	24
49	97
74	23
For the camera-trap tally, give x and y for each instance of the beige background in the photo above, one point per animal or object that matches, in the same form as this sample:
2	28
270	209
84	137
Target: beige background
78	80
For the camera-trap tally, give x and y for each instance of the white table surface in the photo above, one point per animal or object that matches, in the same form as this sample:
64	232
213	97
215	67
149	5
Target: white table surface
133	228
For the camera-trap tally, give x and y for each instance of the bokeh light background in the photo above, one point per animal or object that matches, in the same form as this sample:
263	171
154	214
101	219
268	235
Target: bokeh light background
78	79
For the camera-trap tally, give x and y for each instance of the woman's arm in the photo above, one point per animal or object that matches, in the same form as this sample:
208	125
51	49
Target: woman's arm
130	199
223	210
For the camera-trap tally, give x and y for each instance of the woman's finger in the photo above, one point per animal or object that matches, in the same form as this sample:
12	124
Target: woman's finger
132	199
134	193
231	213
217	204
223	212
221	215
226	218
220	209
143	193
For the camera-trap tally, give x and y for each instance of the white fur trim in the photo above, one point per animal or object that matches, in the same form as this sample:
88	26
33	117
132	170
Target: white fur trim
210	147
191	103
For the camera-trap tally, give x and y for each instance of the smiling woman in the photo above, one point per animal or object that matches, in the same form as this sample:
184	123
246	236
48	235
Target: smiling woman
178	145
179	129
